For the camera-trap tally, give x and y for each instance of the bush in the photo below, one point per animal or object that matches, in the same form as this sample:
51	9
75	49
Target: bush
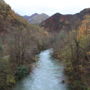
6	77
21	72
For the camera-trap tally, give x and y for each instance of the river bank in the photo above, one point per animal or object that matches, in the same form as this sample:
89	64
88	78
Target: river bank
46	75
76	71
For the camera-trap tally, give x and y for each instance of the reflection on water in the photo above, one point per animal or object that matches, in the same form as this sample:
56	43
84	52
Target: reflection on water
48	75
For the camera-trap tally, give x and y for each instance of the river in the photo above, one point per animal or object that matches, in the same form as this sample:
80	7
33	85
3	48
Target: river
47	75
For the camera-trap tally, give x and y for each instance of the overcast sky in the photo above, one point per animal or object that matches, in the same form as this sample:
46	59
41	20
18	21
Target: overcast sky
28	7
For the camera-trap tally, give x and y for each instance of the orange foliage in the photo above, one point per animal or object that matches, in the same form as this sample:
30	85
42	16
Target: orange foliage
84	28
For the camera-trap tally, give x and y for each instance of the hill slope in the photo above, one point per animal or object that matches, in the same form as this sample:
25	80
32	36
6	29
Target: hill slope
36	18
19	43
59	22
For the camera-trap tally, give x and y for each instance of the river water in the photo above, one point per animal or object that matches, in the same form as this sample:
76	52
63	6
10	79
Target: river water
47	75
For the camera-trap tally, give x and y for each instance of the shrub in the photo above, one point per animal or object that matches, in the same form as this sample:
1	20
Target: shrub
21	72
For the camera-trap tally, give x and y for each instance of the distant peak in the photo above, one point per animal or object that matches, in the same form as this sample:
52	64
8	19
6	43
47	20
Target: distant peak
85	11
35	14
57	14
43	13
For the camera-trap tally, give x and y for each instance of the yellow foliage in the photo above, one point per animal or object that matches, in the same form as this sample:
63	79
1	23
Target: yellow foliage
11	79
88	53
84	28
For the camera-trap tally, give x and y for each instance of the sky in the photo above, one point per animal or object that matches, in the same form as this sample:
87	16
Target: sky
50	7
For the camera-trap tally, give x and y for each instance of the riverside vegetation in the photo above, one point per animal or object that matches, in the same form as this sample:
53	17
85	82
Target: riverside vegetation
68	35
19	43
73	48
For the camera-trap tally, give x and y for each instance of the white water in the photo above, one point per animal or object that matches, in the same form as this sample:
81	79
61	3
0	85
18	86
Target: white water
47	75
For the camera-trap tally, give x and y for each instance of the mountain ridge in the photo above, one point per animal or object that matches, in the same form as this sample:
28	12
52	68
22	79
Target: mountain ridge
58	21
36	18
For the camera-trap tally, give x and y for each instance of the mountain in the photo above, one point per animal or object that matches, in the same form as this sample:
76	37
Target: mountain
30	17
71	44
11	21
36	18
68	22
13	25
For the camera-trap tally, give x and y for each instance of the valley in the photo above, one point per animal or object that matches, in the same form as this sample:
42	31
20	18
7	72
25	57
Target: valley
40	52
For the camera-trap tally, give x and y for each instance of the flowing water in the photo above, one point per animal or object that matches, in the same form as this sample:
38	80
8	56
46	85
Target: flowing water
47	75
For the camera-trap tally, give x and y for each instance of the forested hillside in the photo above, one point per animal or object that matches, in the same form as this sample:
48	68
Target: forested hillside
73	48
58	22
19	43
